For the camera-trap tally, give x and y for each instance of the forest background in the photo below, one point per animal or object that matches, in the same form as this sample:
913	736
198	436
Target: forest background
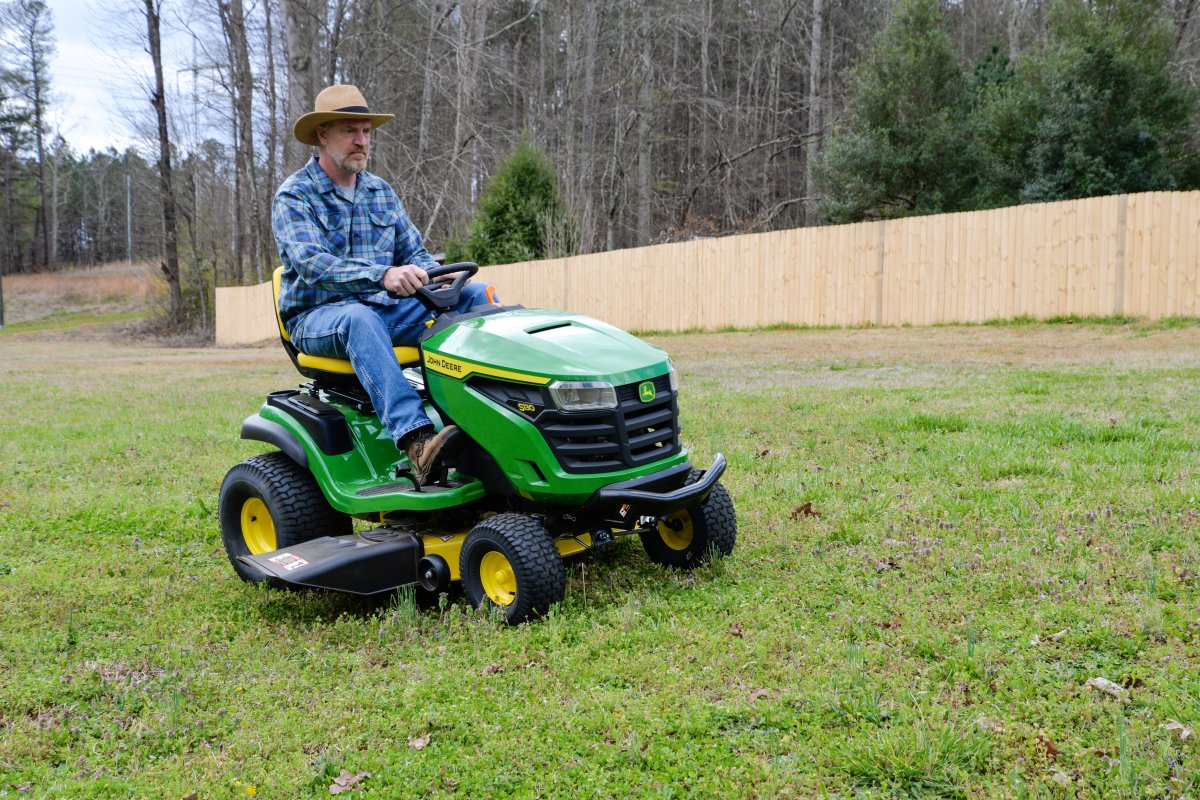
641	122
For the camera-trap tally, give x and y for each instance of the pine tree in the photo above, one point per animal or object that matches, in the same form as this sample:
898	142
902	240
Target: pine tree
906	145
521	216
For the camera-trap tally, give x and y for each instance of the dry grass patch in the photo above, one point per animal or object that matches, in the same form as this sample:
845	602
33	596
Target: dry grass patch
113	287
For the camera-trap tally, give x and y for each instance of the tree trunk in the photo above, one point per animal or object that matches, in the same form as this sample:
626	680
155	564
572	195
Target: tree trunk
170	267
272	106
37	56
814	113
300	24
233	19
644	167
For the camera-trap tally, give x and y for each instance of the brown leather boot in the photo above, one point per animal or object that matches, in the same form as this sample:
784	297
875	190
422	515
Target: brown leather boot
425	448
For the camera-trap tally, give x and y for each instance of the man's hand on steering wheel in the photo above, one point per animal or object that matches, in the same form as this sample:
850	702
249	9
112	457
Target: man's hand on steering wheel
405	280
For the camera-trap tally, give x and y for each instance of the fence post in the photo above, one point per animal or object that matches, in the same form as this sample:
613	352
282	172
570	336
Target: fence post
1119	305
879	275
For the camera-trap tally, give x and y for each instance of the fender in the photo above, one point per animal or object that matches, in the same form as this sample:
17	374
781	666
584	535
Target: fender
258	429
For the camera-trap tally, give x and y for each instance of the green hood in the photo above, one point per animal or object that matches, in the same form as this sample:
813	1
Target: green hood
547	344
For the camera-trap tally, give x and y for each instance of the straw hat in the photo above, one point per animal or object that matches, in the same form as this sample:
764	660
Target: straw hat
337	102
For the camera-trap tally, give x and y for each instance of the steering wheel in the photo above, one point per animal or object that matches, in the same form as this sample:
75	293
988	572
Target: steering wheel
442	295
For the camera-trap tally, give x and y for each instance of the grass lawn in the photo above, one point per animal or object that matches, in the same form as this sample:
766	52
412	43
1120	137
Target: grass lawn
947	536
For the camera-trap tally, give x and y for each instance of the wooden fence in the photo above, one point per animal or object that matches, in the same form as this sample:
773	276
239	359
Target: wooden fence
1135	255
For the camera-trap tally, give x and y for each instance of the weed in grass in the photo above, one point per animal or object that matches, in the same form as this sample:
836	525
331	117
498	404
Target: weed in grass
916	763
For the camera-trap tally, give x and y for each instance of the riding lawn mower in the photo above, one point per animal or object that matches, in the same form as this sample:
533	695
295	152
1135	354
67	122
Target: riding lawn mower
570	440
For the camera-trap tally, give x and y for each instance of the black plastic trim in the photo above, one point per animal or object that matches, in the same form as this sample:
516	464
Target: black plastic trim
257	429
445	320
647	501
350	564
325	424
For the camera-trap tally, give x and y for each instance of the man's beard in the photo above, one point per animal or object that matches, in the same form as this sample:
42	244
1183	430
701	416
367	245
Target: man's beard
352	166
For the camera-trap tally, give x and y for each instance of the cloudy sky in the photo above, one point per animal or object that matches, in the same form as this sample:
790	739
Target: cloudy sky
95	72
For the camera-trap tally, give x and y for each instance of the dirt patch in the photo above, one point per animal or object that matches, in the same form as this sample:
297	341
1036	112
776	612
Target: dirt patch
906	354
883	357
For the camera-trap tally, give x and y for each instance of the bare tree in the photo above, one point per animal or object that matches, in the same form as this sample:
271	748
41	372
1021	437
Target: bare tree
250	213
302	24
158	99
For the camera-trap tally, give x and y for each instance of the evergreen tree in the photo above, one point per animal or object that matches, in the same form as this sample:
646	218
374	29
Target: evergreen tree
906	145
520	216
1096	111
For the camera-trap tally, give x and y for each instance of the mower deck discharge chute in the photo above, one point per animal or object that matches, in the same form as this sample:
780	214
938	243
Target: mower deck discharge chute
571	431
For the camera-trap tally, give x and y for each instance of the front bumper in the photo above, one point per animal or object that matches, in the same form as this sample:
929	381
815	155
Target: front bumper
654	495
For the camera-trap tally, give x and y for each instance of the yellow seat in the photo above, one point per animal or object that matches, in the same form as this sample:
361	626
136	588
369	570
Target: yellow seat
338	370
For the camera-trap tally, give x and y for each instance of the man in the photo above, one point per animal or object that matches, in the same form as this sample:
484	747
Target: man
346	243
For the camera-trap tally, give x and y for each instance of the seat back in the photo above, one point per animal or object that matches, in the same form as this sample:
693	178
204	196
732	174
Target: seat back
337	371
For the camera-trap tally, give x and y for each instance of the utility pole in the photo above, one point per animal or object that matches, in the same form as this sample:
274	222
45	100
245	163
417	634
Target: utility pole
128	217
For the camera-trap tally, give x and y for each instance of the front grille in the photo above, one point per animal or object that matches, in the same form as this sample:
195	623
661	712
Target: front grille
632	434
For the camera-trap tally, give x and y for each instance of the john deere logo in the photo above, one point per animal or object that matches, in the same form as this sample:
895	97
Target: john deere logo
646	391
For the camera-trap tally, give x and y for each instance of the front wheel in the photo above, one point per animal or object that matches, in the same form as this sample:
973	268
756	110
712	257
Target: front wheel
691	537
269	502
509	563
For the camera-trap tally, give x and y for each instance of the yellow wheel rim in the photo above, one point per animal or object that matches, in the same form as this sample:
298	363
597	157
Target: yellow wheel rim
499	581
258	529
679	539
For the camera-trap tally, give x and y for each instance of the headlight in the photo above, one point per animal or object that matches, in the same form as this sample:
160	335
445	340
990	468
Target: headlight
583	395
673	377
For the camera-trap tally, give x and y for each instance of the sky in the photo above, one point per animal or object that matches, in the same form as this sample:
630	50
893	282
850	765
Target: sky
93	74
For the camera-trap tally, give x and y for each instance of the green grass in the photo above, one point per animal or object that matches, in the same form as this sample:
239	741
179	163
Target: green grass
65	320
914	528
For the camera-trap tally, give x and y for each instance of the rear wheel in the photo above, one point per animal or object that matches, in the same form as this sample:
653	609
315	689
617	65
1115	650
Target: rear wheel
691	537
509	563
270	502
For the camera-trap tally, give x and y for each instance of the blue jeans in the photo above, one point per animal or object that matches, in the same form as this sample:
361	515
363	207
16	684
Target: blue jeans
365	333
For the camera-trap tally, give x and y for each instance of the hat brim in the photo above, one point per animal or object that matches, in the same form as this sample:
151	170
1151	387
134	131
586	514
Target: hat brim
305	129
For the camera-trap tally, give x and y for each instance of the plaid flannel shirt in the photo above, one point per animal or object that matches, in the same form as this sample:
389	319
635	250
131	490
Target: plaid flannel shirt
337	251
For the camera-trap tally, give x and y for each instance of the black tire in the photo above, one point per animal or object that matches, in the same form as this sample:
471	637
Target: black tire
510	563
696	535
270	502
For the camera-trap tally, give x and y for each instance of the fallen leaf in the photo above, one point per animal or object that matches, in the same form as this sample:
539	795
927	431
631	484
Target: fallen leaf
1109	688
1054	637
347	782
736	629
989	724
420	743
805	509
1184	731
1048	745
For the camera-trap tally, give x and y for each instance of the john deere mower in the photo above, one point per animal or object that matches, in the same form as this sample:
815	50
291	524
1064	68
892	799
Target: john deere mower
571	441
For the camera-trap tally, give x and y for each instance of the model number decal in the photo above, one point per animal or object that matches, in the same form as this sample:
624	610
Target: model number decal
528	409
